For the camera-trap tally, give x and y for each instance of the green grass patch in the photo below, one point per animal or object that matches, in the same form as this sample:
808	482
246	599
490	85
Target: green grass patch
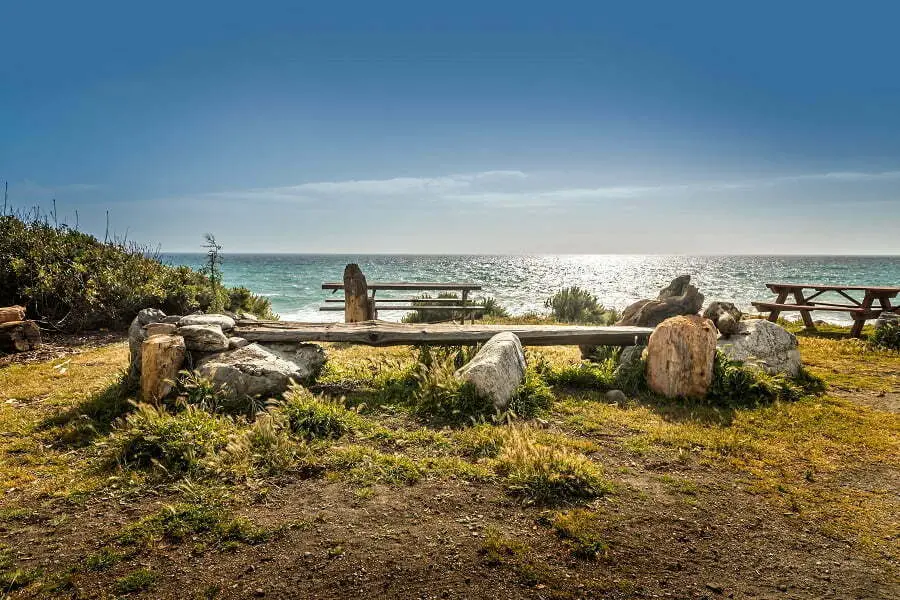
139	580
314	417
581	529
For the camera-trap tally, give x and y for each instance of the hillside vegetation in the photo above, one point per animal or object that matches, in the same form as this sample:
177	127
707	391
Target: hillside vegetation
75	282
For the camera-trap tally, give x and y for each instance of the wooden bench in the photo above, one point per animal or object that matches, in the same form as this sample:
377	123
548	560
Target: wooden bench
358	305
805	303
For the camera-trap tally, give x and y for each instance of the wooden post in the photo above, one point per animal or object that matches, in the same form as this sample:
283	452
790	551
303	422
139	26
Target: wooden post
782	296
807	319
357	306
859	320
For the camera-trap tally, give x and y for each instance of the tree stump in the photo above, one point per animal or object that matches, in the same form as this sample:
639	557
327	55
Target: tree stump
12	313
680	356
19	336
161	359
357	306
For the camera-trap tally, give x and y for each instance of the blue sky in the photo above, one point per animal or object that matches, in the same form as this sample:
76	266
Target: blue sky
657	127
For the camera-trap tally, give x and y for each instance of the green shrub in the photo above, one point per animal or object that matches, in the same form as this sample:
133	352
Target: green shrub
887	337
737	384
136	581
77	282
585	375
580	529
542	474
175	523
314	417
575	305
492	308
366	466
442	397
532	397
264	448
153	437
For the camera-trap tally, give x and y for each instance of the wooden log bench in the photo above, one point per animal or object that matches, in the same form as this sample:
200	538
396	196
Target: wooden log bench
382	333
805	301
358	305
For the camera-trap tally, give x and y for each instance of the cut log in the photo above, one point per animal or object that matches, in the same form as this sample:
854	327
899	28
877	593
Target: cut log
12	313
19	336
161	358
357	306
382	333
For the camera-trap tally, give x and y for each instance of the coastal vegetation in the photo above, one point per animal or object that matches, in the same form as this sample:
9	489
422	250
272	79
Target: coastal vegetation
576	305
114	493
73	281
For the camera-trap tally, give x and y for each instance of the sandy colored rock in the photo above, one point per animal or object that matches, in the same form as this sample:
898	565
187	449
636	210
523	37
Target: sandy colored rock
725	316
680	356
162	356
497	369
204	338
19	336
677	298
224	322
249	371
159	329
12	313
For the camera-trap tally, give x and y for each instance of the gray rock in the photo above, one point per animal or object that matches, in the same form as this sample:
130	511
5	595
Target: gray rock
677	298
765	345
497	369
309	358
173	319
725	316
237	342
248	316
205	338
137	335
616	396
224	322
887	318
159	329
249	371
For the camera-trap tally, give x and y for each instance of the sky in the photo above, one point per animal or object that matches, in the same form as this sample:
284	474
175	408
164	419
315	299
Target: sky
459	127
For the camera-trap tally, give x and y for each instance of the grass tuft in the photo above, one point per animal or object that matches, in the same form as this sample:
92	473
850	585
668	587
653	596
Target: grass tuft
580	529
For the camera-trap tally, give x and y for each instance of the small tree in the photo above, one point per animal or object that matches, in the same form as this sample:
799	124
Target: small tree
213	271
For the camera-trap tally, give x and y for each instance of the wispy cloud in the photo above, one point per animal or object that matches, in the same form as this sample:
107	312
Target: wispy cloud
515	189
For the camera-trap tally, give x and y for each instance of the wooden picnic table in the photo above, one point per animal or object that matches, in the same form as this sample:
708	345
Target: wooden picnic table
805	302
360	305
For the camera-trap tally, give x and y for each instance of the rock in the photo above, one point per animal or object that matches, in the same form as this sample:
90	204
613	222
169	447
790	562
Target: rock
249	371
162	356
224	322
677	298
725	316
137	335
248	316
887	318
616	396
9	314
680	356
309	358
205	338
159	329
497	369
237	342
631	354
764	344
20	336
173	319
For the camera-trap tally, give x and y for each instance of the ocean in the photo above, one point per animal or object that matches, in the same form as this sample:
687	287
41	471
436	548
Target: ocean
521	283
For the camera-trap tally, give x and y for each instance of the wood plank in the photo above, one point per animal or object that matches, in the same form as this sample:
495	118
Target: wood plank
407	307
411	299
406	285
381	333
795	307
831	287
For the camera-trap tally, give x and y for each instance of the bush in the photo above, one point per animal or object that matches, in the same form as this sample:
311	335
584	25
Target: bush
532	397
575	305
587	375
264	448
492	308
175	443
736	384
887	336
316	418
542	474
77	282
440	396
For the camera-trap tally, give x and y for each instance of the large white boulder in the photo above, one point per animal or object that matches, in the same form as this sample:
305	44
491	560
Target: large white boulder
764	344
249	371
204	338
225	322
309	358
497	369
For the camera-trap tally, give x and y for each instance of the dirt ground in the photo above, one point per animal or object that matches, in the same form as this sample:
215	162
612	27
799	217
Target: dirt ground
677	527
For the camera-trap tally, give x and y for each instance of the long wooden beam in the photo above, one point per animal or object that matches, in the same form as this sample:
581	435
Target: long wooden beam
382	333
407	285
